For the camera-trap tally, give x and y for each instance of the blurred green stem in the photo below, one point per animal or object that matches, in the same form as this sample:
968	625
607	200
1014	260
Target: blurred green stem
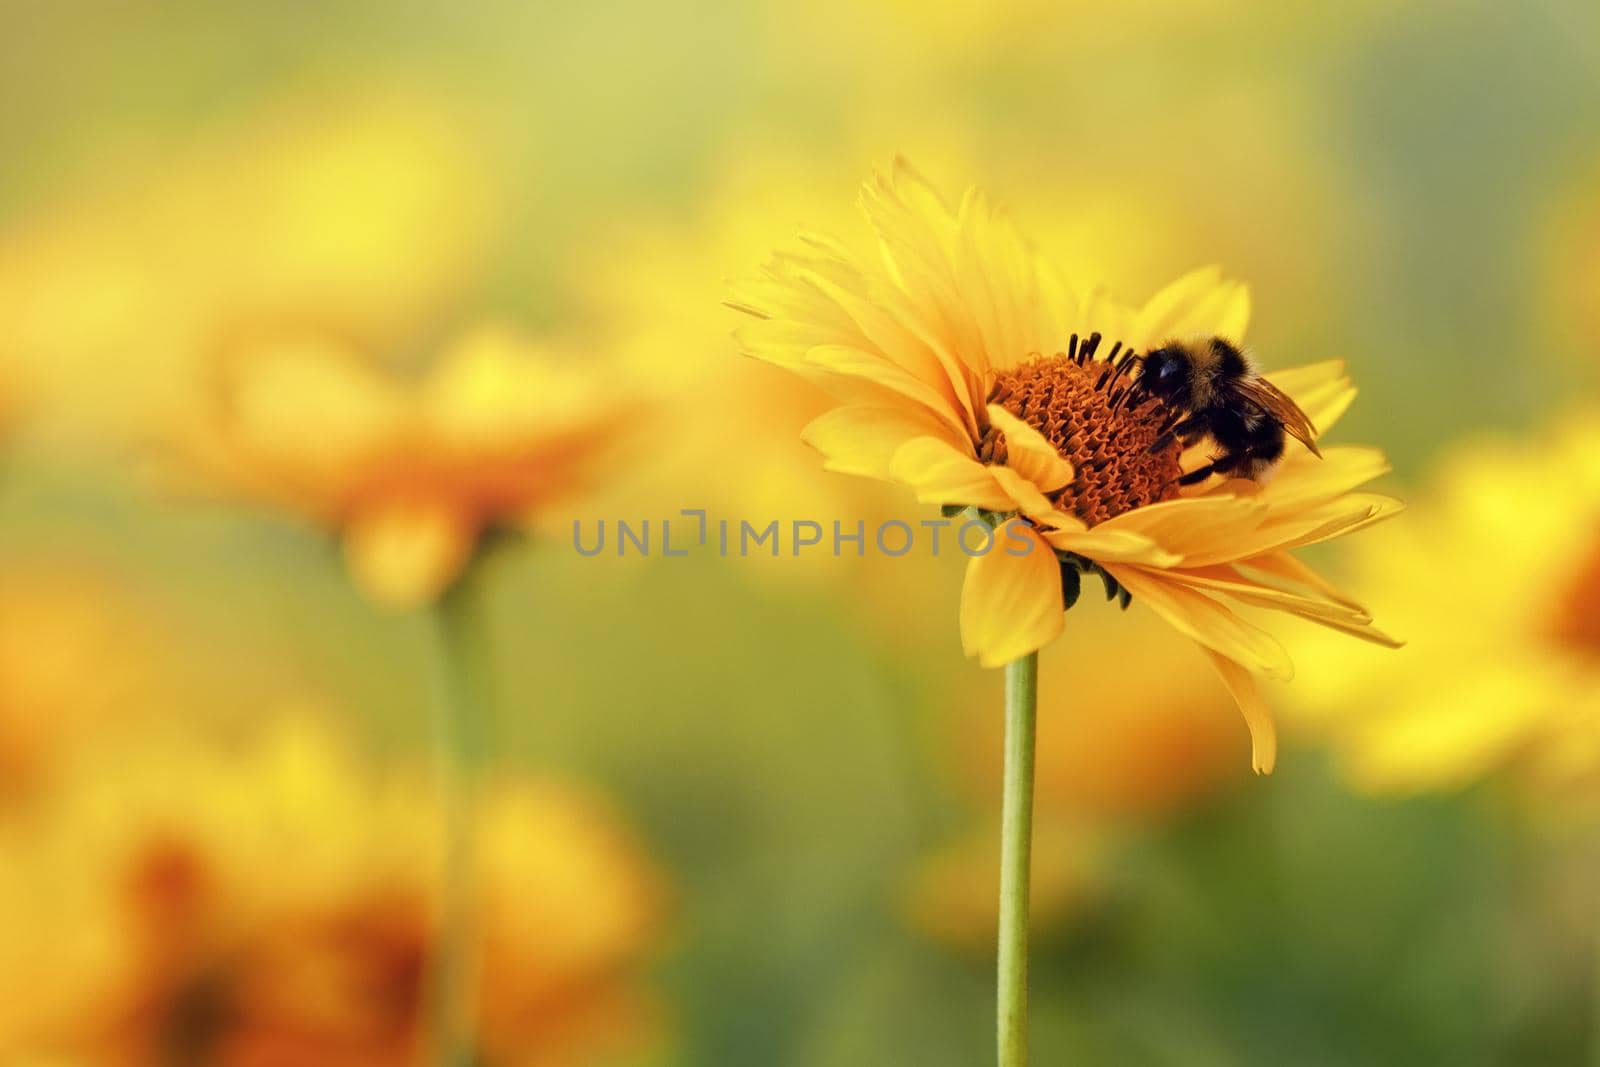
1016	856
456	720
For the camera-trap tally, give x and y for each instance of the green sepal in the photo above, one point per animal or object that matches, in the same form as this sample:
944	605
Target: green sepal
1071	585
1078	566
1112	588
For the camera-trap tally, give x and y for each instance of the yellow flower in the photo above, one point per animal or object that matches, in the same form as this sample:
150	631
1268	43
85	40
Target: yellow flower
410	474
938	346
56	618
367	210
1498	572
154	909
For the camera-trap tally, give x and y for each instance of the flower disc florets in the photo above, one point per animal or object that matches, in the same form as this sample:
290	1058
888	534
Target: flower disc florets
1094	413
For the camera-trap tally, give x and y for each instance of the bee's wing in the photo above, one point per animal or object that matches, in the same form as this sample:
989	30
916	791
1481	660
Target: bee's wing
1276	402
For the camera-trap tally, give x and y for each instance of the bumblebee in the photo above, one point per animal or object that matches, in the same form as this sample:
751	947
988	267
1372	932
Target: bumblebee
1221	393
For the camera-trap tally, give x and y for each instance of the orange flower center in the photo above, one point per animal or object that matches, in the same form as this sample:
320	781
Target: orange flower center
1577	619
1117	438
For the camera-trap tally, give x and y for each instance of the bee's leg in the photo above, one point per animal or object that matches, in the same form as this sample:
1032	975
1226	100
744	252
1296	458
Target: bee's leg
1220	465
1224	464
1188	431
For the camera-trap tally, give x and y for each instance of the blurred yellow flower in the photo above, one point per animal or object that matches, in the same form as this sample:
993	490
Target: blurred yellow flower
1498	574
411	474
288	915
933	348
367	211
75	652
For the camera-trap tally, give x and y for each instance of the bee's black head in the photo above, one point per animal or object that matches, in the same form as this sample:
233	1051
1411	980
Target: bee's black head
1168	374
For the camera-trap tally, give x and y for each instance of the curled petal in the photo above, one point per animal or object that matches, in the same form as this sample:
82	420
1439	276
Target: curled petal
1292	571
1229	582
1263	732
1336	518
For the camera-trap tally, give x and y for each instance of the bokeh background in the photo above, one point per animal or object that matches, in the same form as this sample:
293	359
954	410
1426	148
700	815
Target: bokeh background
743	811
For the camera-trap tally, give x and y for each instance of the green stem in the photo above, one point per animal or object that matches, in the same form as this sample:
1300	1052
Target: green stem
455	723
1016	855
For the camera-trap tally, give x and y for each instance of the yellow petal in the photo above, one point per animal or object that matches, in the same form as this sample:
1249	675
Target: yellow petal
1300	382
1283	528
1348	619
971	281
1029	454
939	474
1263	733
1304	481
496	390
406	553
1322	390
856	363
883	334
1289	569
1201	303
1205	620
1011	599
1192	526
1107	546
863	438
1100	312
1024	495
1337	518
278	388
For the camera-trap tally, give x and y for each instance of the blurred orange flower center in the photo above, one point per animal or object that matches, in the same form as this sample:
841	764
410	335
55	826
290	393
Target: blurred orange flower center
1577	621
1095	415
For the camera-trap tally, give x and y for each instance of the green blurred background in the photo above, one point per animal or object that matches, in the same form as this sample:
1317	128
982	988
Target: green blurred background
1412	186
